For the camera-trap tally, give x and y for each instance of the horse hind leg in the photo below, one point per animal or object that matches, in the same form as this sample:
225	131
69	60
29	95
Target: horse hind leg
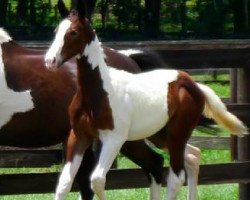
192	164
83	174
176	176
171	140
150	161
179	130
74	154
155	189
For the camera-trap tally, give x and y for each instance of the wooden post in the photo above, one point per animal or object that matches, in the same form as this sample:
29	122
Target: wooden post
244	143
233	99
233	85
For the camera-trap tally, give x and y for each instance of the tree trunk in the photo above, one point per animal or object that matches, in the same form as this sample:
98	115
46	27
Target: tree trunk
139	18
240	10
32	12
183	17
104	12
3	13
152	17
89	7
22	9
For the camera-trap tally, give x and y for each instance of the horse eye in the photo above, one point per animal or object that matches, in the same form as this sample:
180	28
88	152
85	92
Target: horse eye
74	33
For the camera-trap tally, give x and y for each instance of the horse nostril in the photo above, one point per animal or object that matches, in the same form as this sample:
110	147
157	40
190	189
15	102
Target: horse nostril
54	60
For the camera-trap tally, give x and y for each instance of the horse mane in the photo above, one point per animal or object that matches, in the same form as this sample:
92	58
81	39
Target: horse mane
4	36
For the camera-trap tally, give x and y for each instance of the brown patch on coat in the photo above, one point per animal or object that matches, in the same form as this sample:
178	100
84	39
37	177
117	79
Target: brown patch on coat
185	104
90	109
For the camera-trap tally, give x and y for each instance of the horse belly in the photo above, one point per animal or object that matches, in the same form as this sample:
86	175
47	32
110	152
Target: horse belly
147	127
148	118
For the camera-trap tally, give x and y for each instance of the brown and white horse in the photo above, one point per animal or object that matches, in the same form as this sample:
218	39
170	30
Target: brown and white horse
34	106
116	106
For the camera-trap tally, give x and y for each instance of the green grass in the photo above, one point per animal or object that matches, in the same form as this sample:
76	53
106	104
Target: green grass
208	192
223	90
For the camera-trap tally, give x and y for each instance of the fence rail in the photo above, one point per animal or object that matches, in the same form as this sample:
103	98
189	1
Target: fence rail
14	157
122	179
188	54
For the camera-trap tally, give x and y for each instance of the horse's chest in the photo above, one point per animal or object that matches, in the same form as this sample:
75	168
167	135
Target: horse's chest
82	123
11	102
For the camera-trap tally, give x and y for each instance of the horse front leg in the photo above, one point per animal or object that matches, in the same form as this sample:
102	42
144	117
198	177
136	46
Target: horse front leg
111	145
76	146
83	175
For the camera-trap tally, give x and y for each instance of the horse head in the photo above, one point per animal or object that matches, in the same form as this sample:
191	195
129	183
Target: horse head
72	35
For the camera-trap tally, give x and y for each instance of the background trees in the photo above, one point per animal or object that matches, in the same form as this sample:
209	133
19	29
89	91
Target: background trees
138	19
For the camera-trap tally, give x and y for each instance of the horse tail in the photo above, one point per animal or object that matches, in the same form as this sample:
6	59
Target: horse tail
216	109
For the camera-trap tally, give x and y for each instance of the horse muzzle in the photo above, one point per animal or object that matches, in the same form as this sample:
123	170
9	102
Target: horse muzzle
52	61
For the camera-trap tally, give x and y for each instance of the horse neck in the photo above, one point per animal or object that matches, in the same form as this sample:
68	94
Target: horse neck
93	55
94	85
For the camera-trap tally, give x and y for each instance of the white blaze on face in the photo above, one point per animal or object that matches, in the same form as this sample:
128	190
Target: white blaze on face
11	102
53	55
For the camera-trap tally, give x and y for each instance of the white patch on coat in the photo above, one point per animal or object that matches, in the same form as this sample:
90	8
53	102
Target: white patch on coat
129	52
174	183
155	190
11	102
67	177
136	100
53	55
94	53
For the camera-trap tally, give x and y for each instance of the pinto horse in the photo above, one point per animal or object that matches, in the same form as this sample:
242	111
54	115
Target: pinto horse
163	106
34	106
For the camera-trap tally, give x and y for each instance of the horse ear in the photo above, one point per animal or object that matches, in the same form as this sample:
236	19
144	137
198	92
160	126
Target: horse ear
81	8
64	12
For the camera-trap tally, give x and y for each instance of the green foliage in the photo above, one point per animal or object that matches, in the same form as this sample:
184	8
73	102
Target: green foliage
200	16
213	16
178	18
42	9
127	13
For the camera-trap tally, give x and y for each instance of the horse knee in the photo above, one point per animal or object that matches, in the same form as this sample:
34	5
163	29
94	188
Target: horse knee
64	187
193	150
192	160
98	183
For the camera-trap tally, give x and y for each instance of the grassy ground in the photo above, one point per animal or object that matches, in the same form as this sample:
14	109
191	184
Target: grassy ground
210	192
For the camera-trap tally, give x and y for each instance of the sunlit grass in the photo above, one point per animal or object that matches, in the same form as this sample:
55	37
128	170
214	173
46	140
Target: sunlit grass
223	90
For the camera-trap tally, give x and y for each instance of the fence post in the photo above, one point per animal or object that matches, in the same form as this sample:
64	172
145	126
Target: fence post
243	96
233	99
